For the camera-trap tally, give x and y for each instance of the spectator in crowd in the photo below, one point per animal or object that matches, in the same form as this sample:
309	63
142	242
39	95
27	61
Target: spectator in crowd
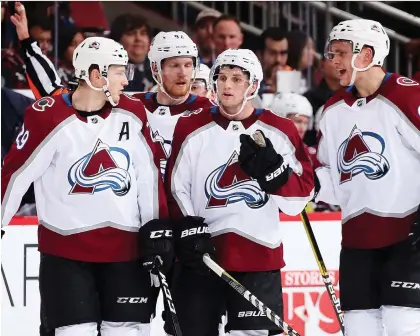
227	34
133	32
272	51
318	96
203	35
12	65
301	55
40	31
68	39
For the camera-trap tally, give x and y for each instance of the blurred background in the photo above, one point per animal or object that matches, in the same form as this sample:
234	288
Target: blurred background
288	37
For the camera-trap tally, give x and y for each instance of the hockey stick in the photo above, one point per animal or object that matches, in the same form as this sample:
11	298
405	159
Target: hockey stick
259	139
323	270
278	321
168	297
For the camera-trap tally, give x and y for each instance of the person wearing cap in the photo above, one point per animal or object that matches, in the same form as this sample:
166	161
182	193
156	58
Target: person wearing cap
203	32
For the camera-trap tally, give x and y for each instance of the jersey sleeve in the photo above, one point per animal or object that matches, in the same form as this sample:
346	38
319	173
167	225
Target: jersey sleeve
151	193
409	121
292	197
42	76
323	169
28	158
178	177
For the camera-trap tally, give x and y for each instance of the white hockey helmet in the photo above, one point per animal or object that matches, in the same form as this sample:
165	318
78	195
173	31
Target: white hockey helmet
100	51
243	58
204	74
361	33
292	103
172	44
248	62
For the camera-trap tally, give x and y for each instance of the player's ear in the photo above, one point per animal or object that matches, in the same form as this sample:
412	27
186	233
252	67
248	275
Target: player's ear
253	89
367	55
94	74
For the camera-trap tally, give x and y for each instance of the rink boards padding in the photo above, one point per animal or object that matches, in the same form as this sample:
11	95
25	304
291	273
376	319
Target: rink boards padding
306	302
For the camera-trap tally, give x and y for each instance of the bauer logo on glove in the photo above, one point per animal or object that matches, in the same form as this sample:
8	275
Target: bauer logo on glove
258	158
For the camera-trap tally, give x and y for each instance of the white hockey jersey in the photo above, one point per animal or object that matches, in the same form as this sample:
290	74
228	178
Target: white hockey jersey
370	155
204	179
163	118
94	177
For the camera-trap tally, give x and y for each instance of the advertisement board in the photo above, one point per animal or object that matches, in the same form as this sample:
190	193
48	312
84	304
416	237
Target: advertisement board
307	307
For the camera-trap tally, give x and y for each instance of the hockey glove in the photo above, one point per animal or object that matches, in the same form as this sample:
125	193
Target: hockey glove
155	240
263	163
192	241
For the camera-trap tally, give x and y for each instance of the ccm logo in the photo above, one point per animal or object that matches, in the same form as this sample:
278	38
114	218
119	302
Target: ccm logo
250	313
194	231
160	234
132	300
276	173
409	285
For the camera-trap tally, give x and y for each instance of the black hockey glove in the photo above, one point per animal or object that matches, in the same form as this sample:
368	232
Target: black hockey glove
263	163
155	240
2	233
192	241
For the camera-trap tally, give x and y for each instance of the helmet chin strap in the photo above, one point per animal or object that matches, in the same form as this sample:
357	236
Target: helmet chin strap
356	69
244	101
105	89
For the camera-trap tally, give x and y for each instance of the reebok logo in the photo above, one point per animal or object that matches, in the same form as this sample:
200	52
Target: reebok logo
251	313
132	300
195	231
408	285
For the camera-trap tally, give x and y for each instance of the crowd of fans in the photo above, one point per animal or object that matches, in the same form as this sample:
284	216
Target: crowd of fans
279	51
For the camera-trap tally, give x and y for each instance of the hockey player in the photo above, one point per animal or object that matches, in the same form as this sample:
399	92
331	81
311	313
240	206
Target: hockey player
225	192
90	157
200	86
370	154
175	63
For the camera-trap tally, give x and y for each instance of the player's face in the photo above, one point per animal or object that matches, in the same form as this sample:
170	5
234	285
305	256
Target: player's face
340	54
199	88
232	83
176	75
301	122
117	81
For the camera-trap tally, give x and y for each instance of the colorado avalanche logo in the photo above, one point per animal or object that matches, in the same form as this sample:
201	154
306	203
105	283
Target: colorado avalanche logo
362	152
99	170
228	184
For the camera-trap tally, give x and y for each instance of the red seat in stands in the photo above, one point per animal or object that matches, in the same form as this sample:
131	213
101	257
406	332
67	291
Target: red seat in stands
89	15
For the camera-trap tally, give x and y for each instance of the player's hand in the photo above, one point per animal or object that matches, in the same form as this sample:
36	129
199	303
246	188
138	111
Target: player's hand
155	240
262	163
192	241
20	21
2	233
